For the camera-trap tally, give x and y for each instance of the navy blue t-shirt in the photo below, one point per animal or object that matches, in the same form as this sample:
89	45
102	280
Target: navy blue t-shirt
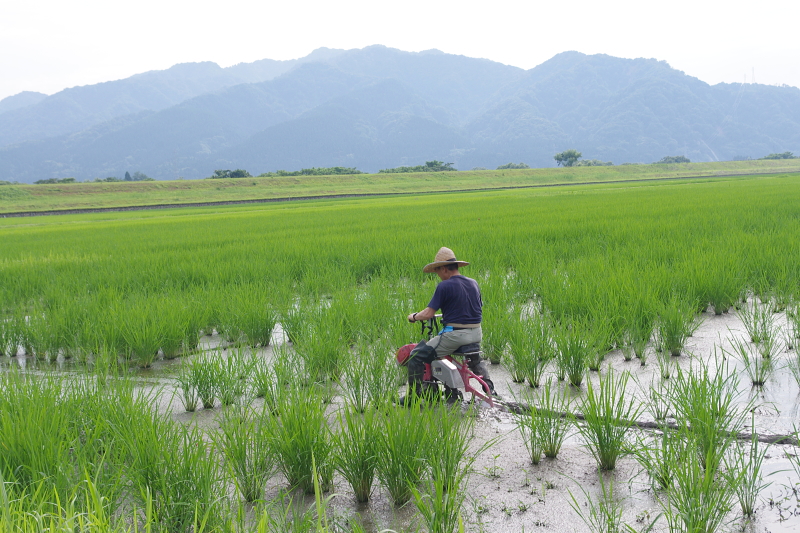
459	298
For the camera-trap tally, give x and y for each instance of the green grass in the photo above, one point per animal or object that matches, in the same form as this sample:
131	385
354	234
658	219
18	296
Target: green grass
15	198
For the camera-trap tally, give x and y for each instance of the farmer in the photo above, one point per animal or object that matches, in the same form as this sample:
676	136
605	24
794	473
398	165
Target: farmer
459	298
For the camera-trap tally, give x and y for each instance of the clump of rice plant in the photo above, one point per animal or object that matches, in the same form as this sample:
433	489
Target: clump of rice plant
250	316
545	426
383	380
439	507
542	350
608	415
758	321
142	331
658	399
677	322
451	433
639	323
204	375
520	350
246	444
450	464
267	384
744	470
666	364
402	451
354	446
188	392
356	378
603	515
705	405
171	467
770	346
792	330
660	455
9	339
300	433
323	353
758	368
232	373
574	347
699	498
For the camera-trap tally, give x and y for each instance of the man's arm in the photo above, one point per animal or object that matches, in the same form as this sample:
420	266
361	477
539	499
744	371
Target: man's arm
425	314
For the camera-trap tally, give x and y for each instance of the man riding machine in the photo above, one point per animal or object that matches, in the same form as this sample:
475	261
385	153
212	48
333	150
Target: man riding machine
431	362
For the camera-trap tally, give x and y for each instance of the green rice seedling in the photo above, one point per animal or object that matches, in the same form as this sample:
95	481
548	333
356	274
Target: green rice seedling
723	285
705	405
42	339
604	515
555	420
8	338
253	316
382	380
188	392
203	373
698	499
232	373
322	353
529	424
142	331
608	415
639	322
299	434
758	369
574	349
520	356
401	452
354	446
447	454
677	322
744	472
267	385
770	346
660	455
176	330
246	444
439	507
658	399
356	378
173	468
758	321
299	319
666	365
35	432
542	350
598	339
792	330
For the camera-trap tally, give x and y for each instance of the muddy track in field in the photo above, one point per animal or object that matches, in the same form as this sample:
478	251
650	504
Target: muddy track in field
359	195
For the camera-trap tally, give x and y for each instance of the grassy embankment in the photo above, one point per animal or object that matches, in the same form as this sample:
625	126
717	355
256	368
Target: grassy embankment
18	198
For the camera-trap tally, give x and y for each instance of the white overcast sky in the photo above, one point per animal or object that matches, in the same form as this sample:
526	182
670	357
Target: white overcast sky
48	45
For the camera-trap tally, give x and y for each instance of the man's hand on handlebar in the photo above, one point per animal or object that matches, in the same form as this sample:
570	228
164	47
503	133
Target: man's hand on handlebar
425	314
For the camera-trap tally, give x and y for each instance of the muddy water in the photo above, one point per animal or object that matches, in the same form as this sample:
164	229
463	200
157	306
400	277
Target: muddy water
507	493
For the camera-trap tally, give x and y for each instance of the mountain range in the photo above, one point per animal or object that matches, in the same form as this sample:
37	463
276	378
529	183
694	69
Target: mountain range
379	107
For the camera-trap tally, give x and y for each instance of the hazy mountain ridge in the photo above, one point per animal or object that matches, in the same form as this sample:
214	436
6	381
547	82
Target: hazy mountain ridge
379	107
20	100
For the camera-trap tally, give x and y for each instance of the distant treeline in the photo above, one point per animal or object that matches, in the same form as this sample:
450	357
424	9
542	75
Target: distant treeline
784	155
314	171
137	176
429	166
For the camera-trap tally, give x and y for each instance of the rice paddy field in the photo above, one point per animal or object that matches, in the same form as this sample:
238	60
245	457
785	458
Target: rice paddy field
232	368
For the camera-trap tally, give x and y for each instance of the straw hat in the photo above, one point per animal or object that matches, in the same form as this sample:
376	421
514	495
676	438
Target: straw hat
444	256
